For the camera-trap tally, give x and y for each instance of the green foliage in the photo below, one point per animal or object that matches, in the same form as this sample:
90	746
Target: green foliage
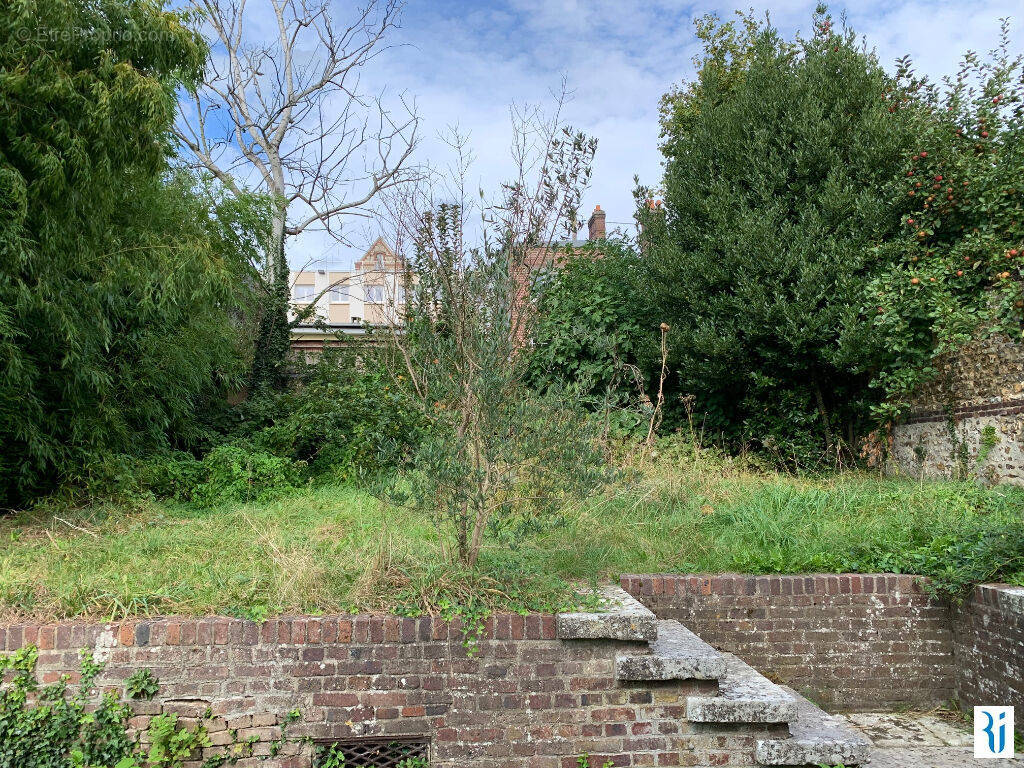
141	684
541	456
345	420
685	509
957	268
590	333
341	421
55	726
778	159
498	458
583	761
118	288
233	472
989	551
173	744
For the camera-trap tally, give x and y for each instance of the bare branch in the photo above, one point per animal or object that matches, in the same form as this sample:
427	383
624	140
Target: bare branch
286	117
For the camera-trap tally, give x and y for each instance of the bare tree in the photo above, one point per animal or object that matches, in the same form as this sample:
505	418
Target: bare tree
281	112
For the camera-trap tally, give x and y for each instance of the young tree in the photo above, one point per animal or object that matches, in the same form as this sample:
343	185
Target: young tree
286	116
497	457
778	159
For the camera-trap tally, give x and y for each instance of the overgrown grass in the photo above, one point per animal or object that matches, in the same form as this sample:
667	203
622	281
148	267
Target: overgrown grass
340	549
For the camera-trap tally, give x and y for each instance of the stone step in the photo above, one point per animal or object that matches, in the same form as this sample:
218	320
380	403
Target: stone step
816	738
677	654
621	617
744	696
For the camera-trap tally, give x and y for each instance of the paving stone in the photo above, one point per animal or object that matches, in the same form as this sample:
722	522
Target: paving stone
935	757
816	738
677	654
744	696
951	733
622	617
898	741
894	730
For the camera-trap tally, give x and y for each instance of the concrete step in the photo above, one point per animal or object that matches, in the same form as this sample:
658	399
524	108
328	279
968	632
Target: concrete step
816	738
744	696
621	617
677	654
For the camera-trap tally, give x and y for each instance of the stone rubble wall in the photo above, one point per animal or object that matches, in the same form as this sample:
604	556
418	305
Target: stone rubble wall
978	388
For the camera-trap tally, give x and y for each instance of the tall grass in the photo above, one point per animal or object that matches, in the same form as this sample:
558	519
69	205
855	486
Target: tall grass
339	549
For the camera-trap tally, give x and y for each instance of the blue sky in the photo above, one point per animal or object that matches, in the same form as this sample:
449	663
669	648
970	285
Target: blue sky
465	62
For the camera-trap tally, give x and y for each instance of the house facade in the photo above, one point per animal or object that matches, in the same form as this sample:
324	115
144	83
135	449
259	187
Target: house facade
346	303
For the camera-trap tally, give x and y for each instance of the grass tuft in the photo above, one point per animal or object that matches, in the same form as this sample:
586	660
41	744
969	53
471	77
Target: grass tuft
339	549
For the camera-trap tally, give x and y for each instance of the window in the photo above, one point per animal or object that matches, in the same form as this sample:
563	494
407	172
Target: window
339	294
303	292
375	294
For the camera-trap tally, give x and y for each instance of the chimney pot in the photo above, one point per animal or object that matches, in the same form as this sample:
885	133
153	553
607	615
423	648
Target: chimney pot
596	224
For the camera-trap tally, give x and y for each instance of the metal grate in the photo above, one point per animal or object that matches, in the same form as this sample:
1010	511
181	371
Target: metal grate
378	752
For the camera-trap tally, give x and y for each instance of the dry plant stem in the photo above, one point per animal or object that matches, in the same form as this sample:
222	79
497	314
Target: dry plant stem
656	414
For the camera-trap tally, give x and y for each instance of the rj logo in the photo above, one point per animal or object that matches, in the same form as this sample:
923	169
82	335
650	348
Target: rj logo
993	732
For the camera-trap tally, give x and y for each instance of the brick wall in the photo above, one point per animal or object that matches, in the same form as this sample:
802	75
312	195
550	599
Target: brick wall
989	645
979	386
523	700
846	642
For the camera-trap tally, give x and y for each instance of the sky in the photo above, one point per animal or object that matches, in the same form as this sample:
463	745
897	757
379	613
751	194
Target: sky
464	63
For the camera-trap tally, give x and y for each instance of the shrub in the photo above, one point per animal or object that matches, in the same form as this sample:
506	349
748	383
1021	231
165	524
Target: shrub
345	420
495	450
593	333
993	551
777	161
235	472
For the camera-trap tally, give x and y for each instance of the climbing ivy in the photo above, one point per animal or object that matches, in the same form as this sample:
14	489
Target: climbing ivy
53	726
60	725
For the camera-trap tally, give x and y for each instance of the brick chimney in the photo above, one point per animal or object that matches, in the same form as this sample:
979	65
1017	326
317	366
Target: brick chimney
596	224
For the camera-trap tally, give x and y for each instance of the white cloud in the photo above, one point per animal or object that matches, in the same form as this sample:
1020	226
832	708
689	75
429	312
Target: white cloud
465	62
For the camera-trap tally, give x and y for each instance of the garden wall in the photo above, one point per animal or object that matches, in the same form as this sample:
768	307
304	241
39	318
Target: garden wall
978	388
853	641
988	643
523	700
846	642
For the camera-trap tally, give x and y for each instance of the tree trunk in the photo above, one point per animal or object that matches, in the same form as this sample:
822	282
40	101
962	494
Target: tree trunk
823	412
270	355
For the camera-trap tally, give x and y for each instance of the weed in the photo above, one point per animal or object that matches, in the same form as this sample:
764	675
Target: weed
141	684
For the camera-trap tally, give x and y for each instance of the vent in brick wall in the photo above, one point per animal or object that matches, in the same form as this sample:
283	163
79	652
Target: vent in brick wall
383	752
